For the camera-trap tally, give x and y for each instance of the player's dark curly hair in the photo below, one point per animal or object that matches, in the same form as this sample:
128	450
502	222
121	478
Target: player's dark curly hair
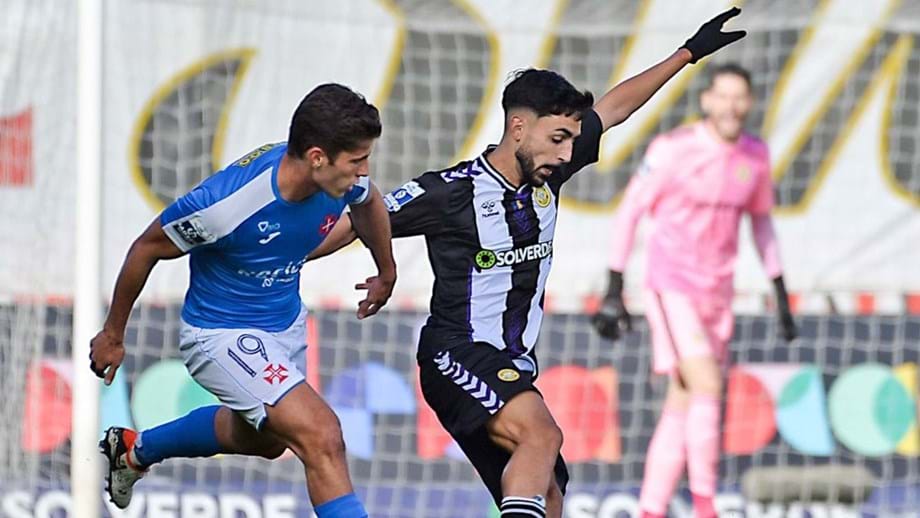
333	118
546	93
729	69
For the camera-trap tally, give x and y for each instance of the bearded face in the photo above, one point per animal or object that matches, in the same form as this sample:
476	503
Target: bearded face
533	173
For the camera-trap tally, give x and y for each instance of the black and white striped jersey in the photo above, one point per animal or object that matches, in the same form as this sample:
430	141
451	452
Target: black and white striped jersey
491	248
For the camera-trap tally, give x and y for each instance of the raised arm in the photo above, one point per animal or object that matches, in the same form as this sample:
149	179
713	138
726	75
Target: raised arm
107	348
628	96
371	222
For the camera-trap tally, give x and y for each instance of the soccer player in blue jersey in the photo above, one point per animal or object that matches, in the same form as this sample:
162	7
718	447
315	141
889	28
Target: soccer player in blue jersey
248	230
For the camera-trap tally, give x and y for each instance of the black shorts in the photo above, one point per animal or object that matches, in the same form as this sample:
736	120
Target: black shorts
466	386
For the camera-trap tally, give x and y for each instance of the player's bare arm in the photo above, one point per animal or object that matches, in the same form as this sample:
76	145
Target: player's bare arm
107	348
371	222
628	96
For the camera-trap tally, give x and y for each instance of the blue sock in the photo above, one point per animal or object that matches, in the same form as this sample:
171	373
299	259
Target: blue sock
192	435
347	506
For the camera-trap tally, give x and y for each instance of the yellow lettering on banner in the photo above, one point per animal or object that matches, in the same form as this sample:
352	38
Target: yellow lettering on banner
396	54
620	143
803	93
161	93
552	35
904	47
518	35
492	80
650	13
887	73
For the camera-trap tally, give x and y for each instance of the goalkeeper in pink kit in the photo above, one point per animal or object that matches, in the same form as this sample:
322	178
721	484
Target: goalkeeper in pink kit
695	183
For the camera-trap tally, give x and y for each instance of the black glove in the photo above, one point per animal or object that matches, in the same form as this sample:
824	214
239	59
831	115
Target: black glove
786	322
710	38
612	317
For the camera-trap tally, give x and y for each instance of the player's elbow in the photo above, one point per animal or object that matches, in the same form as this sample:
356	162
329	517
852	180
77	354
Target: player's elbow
152	249
611	113
154	245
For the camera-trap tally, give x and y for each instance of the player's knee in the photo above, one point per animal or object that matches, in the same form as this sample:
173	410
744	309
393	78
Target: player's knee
324	441
701	377
706	386
547	435
331	444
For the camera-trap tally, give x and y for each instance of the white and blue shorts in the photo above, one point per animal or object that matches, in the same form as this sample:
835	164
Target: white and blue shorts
246	368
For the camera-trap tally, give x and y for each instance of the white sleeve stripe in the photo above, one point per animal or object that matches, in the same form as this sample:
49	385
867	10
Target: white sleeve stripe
224	216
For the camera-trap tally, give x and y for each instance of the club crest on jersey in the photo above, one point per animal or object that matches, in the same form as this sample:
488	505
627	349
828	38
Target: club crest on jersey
743	173
509	375
327	225
486	259
273	373
542	196
403	195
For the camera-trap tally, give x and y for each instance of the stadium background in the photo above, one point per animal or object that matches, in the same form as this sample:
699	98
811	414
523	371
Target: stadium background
190	85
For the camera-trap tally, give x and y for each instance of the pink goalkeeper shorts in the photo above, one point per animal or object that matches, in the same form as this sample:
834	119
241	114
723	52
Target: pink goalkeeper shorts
685	327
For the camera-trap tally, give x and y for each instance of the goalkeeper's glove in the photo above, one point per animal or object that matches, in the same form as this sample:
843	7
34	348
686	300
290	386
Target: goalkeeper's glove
612	317
786	322
710	38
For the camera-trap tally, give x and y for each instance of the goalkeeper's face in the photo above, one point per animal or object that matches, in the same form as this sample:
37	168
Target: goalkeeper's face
546	145
727	104
341	173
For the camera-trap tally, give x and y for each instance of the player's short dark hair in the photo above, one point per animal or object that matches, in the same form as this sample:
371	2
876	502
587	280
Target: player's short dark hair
729	69
546	93
333	118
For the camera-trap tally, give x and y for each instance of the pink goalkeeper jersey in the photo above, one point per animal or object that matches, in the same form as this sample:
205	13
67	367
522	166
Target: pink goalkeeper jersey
695	188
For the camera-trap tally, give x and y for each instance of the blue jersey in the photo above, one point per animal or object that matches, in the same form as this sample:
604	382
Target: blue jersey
247	244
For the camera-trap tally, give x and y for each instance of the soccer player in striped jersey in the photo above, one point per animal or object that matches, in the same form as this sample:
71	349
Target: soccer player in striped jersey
695	184
489	225
248	230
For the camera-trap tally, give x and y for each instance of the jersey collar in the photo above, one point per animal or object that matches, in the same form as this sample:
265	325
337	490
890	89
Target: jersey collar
490	169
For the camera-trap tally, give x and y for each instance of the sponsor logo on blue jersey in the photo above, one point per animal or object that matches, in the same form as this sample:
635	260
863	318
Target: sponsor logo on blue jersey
286	273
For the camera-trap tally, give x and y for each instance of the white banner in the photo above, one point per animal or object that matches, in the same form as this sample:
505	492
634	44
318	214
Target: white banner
191	85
